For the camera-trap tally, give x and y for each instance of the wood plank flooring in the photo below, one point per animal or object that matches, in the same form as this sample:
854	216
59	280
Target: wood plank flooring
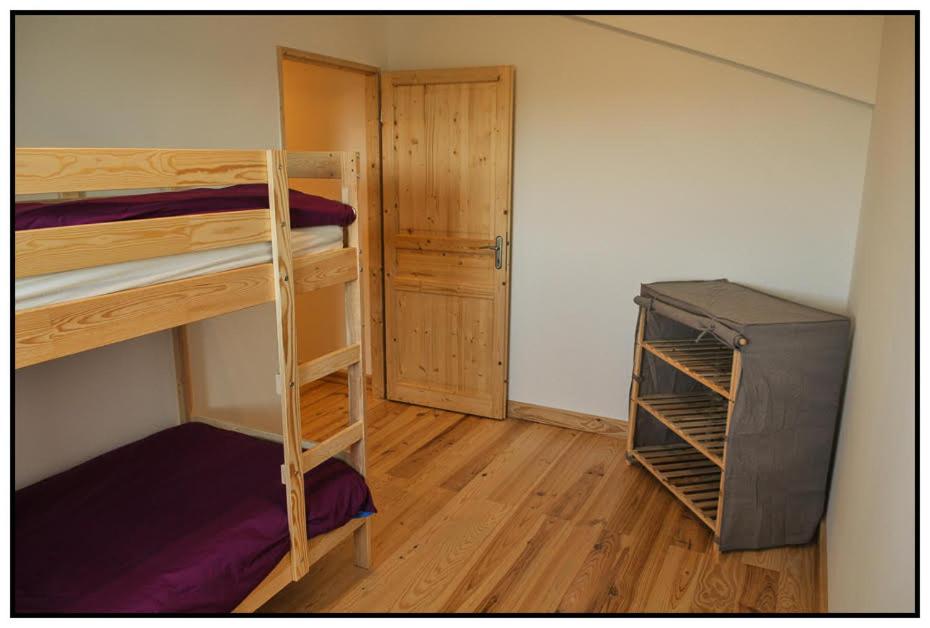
477	515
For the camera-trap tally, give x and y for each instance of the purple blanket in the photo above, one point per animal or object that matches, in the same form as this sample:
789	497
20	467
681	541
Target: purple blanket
306	210
190	519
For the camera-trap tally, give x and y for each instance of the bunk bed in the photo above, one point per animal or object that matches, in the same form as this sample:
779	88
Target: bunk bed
93	274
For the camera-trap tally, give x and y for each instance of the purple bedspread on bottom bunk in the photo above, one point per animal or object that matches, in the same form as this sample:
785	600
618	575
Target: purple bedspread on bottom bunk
190	519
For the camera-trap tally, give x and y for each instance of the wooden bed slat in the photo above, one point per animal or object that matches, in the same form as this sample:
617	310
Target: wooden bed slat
280	576
326	268
44	170
53	331
313	165
245	429
41	251
323	451
322	366
321	545
48	332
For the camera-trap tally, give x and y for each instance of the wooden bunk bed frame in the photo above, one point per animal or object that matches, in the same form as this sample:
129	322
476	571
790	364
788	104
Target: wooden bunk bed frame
47	332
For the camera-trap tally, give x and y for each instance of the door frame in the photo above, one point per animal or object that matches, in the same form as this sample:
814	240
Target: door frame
373	167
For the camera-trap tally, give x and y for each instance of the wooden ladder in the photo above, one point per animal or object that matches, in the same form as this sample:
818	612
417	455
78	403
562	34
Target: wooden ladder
291	278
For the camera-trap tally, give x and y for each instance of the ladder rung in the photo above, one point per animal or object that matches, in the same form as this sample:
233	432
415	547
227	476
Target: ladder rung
325	450
322	366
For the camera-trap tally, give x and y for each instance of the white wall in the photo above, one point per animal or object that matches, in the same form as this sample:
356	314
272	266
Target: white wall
634	162
834	52
154	81
70	409
179	81
870	521
638	162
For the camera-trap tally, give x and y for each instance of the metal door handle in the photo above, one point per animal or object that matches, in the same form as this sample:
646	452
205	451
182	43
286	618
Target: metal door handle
498	249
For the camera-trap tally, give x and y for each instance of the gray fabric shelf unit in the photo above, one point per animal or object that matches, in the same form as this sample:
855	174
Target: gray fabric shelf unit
734	406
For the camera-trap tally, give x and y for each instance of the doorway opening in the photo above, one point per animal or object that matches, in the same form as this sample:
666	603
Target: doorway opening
328	104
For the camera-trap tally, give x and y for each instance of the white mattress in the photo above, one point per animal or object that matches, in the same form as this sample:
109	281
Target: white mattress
90	282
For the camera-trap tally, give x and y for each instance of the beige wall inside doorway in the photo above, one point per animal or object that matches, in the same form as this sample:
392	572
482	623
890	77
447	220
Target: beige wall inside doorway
323	108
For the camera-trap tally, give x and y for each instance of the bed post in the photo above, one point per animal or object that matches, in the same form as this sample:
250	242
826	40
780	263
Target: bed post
292	474
182	374
356	372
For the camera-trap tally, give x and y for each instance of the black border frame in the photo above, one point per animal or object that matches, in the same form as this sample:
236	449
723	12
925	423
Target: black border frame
915	13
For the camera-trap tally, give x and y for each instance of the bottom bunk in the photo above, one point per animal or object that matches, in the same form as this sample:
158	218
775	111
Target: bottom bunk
190	519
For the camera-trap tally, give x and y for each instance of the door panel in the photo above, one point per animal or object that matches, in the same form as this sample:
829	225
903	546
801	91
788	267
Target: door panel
447	140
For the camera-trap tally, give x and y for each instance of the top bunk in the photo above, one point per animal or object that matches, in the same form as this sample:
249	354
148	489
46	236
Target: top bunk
125	266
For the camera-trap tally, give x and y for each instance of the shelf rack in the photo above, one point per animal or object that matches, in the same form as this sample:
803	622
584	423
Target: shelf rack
692	470
734	390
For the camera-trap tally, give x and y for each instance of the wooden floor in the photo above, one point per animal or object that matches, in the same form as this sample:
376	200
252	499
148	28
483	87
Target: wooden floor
477	515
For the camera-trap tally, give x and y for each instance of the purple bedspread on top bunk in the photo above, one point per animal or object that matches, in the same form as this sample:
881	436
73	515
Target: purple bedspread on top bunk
190	519
306	210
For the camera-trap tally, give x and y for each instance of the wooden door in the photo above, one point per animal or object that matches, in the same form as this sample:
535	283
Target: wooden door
447	147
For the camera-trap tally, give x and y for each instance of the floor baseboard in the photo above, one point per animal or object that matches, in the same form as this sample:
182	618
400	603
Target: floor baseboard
567	419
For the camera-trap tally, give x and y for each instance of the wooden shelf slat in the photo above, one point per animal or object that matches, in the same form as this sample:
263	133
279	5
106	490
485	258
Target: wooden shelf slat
708	361
700	419
696	486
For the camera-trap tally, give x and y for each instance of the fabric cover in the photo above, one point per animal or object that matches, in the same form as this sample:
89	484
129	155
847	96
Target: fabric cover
190	519
306	210
781	433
